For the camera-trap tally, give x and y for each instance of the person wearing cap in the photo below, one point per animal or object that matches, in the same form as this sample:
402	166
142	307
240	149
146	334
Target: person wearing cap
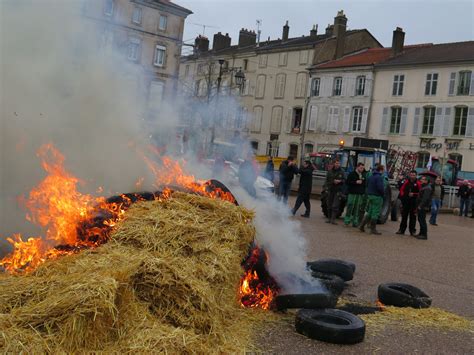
464	194
356	189
304	189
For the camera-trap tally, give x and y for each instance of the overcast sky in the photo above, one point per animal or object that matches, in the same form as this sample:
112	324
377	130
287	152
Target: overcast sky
436	21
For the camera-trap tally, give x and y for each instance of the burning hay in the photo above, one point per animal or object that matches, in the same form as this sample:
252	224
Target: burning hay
166	282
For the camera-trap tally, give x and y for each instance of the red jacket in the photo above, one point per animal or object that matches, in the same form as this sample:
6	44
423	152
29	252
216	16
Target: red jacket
408	186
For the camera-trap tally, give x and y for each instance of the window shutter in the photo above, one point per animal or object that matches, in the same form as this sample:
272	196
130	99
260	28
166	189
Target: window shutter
368	86
438	123
323	87
471	87
452	82
403	122
328	123
416	121
289	120
470	122
384	126
334	123
313	117
447	122
352	82
363	126
346	120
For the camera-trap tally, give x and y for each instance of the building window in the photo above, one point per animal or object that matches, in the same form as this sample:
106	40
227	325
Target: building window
315	84
262	60
457	158
460	121
134	49
360	85
337	89
160	55
428	120
431	84
162	23
308	148
395	120
186	70
246	64
464	82
137	15
293	150
357	119
297	116
422	160
275	125
398	81
300	89
260	89
283	59
280	86
273	146
109	7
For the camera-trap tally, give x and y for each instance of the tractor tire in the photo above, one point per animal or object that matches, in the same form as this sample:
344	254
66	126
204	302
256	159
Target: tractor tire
386	207
395	210
403	295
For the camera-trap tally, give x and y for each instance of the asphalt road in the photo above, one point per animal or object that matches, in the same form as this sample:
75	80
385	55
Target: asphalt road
442	266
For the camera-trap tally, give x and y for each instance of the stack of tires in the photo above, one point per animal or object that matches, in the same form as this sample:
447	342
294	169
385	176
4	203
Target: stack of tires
317	318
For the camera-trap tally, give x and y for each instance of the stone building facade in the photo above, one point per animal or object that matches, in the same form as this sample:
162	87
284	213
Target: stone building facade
149	33
274	98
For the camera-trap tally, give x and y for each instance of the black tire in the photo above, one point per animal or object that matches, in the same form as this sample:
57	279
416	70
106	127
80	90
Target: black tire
308	301
330	325
333	266
387	206
350	263
403	295
332	282
395	210
216	184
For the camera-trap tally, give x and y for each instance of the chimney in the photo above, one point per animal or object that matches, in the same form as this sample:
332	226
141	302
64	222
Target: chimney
329	30
201	44
220	41
340	24
247	38
314	31
397	41
286	31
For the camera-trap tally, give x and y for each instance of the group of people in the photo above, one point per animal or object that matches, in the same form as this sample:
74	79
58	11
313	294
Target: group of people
466	199
365	191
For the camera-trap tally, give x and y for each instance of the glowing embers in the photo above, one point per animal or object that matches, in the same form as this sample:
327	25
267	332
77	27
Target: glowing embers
257	287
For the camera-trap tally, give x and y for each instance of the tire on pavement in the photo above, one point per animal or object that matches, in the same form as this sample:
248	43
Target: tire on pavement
308	301
330	325
333	266
332	282
350	263
403	295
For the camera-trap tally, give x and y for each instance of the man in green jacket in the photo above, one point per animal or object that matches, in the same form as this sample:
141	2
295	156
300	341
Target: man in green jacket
356	190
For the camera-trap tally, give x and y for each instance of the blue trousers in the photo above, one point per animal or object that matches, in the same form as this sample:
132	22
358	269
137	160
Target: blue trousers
435	206
464	206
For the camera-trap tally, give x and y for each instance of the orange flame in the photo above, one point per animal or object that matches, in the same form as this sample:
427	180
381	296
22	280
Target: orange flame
57	206
380	305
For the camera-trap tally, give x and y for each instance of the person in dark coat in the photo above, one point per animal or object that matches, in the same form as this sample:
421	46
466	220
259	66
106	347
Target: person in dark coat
408	195
287	170
334	185
270	169
305	187
356	190
423	203
375	194
436	200
464	194
248	176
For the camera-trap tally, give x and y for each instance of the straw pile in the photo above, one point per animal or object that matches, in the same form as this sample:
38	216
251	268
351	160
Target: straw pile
166	282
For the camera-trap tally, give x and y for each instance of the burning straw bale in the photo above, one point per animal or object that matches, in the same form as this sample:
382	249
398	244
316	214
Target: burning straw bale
166	281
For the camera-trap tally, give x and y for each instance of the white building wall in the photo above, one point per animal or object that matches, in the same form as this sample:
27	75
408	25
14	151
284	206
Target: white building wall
413	100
